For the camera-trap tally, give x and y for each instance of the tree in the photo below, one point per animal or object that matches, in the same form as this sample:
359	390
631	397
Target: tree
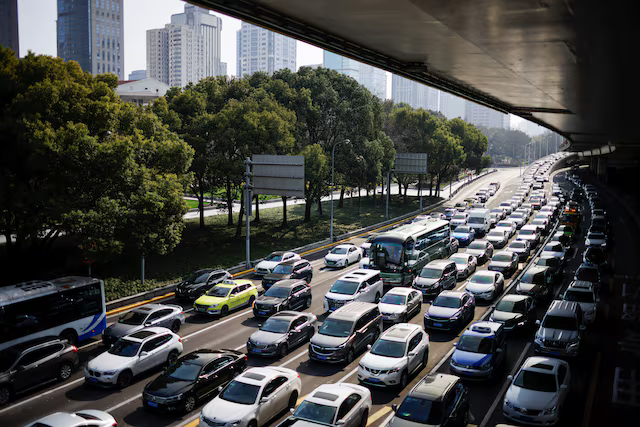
473	142
316	167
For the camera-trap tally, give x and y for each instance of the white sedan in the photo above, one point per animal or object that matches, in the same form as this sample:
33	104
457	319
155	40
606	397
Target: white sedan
253	398
486	285
84	418
267	265
324	406
343	255
465	264
507	225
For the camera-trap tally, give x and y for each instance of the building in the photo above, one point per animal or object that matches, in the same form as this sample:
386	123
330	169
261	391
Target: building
258	49
186	50
452	106
91	32
370	77
9	25
138	75
415	94
141	92
482	116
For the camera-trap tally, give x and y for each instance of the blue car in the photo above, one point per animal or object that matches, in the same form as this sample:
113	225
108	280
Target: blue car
480	351
464	234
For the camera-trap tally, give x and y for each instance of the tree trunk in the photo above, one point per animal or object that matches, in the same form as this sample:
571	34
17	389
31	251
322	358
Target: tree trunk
438	182
229	203
201	203
341	202
399	188
320	205
406	187
430	185
307	209
240	215
257	218
284	211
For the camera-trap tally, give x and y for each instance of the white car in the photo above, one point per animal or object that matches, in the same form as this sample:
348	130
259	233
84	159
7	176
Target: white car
322	406
595	239
538	391
486	285
509	226
133	354
553	250
460	218
401	351
498	238
465	264
253	398
481	249
267	265
529	233
343	255
359	285
399	304
83	418
507	207
585	295
519	218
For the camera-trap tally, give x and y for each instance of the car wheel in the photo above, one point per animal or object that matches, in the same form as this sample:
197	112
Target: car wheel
65	371
224	311
365	418
293	399
350	357
175	326
124	379
5	395
189	404
377	298
359	258
251	300
70	335
171	359
284	349
425	358
404	380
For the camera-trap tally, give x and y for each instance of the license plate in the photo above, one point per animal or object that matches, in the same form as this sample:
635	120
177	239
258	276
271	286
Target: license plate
257	350
437	324
203	309
523	418
262	312
322	357
93	380
152	404
374	380
424	291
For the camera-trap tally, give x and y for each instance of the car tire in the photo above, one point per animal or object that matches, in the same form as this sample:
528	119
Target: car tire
425	358
64	371
365	418
349	358
252	298
404	380
224	311
70	335
175	326
284	350
293	399
5	395
173	356
124	379
189	404
359	258
377	298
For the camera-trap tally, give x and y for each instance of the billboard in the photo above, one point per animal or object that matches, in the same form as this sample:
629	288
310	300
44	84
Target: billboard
278	175
411	163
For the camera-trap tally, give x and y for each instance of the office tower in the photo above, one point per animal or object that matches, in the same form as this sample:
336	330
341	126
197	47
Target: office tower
9	25
370	77
487	117
137	75
91	32
452	106
415	94
258	49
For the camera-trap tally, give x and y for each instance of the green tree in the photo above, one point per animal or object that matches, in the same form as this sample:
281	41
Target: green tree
473	142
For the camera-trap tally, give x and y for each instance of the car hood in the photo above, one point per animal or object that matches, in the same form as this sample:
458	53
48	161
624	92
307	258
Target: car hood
109	362
499	264
121	329
423	281
335	257
269	265
590	241
475	252
269	300
375	361
557	334
494	239
276	276
527	237
517	250
505	316
207	300
327	341
399	422
529	399
391	308
224	411
461	267
478	287
528	287
164	386
264	337
469	358
442	312
339	297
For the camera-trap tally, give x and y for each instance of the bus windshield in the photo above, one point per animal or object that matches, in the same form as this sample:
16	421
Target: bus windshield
392	251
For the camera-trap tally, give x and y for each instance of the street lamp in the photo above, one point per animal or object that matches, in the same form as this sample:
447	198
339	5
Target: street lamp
333	163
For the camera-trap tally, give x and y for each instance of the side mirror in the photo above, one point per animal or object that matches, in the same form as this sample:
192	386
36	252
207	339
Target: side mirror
220	389
394	407
412	353
537	323
292	410
203	377
510	377
340	422
148	323
564	387
455	344
144	354
583	328
368	346
264	399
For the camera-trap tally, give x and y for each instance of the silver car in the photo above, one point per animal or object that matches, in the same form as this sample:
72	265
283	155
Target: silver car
341	404
165	315
83	418
281	332
481	249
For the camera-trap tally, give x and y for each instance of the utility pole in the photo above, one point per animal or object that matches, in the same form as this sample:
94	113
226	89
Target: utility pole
247	209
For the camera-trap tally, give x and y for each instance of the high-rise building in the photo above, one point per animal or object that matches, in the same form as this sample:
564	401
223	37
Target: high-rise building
415	94
452	106
9	25
370	77
186	50
92	33
258	49
484	116
137	75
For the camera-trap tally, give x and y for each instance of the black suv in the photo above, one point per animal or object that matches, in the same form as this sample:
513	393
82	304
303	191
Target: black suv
292	269
346	332
200	282
290	294
32	363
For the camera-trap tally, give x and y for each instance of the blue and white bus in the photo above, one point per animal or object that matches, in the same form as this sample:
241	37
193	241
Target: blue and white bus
71	307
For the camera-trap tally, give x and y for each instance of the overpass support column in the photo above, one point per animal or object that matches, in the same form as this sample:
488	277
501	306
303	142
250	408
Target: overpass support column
593	165
602	168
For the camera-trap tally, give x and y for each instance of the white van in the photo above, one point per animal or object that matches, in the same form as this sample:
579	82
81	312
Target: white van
359	285
479	220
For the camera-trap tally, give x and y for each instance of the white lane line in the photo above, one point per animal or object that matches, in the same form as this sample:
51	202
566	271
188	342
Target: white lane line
240	347
31	399
347	375
125	402
91	344
215	325
388	419
441	362
503	390
293	358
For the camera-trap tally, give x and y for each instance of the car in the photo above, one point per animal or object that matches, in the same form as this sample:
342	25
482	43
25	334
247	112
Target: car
131	355
83	418
225	296
267	265
31	363
588	273
555	250
359	285
341	404
542	224
398	305
493	219
346	332
290	294
454	245
451	310
521	247
480	351
461	207
526	212
199	282
449	213
282	332
595	255
567	230
560	332
518	218
436	276
163	315
599	212
253	398
343	255
515	312
481	249
458	219
508	208
505	262
561	238
537	391
536	282
419	218
465	264
436	216
464	234
595	239
500	212
400	352
193	378
554	264
584	294
292	269
498	237
437	400
507	225
486	285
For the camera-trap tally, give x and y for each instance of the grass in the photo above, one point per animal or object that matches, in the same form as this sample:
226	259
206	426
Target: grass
216	246
192	203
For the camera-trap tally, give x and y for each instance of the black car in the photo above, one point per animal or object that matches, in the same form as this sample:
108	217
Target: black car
282	332
292	269
32	363
290	294
589	273
200	282
192	378
555	265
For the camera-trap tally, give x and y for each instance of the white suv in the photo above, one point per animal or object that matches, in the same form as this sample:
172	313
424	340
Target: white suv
400	352
342	404
359	285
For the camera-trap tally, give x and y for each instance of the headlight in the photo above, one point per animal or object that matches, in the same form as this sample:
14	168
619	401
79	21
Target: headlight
212	307
550	411
395	370
109	373
508	404
174	398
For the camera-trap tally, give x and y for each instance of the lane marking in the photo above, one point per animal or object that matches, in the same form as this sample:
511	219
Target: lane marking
240	347
300	400
381	413
293	358
592	391
347	375
124	402
192	421
31	399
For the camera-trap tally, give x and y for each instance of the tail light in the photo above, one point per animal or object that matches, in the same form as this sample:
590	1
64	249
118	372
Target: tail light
179	339
74	348
298	374
114	425
245	357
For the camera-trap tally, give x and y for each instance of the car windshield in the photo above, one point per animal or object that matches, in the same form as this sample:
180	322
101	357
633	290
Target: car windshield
559	322
392	251
578	296
527	232
275	325
316	412
277	292
477	245
587	274
475	344
335	328
517	215
518	245
198	277
537	381
449	302
388	348
430	273
274	257
218	291
548	262
133	318
283	269
393	299
505	224
339	251
421	411
459	216
481	279
462	229
501	258
344	287
594	255
239	392
512	306
125	348
496	233
460	259
183	371
596	236
476	220
553	248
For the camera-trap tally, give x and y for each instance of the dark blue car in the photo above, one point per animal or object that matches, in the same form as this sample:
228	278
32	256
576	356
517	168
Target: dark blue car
479	351
464	234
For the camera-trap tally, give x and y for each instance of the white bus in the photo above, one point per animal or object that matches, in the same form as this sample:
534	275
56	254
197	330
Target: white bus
71	307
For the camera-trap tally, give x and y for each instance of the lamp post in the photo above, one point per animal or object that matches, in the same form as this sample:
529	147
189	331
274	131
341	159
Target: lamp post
333	163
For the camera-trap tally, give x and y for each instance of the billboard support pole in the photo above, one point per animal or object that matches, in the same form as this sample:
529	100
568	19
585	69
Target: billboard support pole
386	211
247	210
420	190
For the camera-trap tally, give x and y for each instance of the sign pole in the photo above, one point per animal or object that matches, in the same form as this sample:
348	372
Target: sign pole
386	212
420	190
247	209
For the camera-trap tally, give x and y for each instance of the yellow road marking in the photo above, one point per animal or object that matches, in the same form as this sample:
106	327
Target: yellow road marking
381	413
301	399
592	391
138	304
193	423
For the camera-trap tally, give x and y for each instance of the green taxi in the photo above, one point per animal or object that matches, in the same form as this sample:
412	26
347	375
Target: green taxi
226	296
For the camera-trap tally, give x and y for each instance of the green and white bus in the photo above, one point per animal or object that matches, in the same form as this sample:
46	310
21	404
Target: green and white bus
401	253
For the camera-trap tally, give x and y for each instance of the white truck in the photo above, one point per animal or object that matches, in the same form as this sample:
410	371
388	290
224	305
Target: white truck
480	220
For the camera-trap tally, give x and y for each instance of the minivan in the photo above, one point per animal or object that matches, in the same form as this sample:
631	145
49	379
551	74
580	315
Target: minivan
359	285
436	276
561	329
346	332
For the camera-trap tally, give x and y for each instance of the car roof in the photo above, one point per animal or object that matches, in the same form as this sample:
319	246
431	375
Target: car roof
288	283
484	273
148	308
353	310
434	386
331	394
290	315
562	308
581	285
61	419
454	294
344	245
146	333
528	227
510	253
535	269
359	275
293	262
483	329
514	298
33	343
400	332
203	356
400	291
441	263
261	375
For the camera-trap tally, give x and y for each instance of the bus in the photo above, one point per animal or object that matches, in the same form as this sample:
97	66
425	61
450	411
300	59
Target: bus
72	308
401	253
